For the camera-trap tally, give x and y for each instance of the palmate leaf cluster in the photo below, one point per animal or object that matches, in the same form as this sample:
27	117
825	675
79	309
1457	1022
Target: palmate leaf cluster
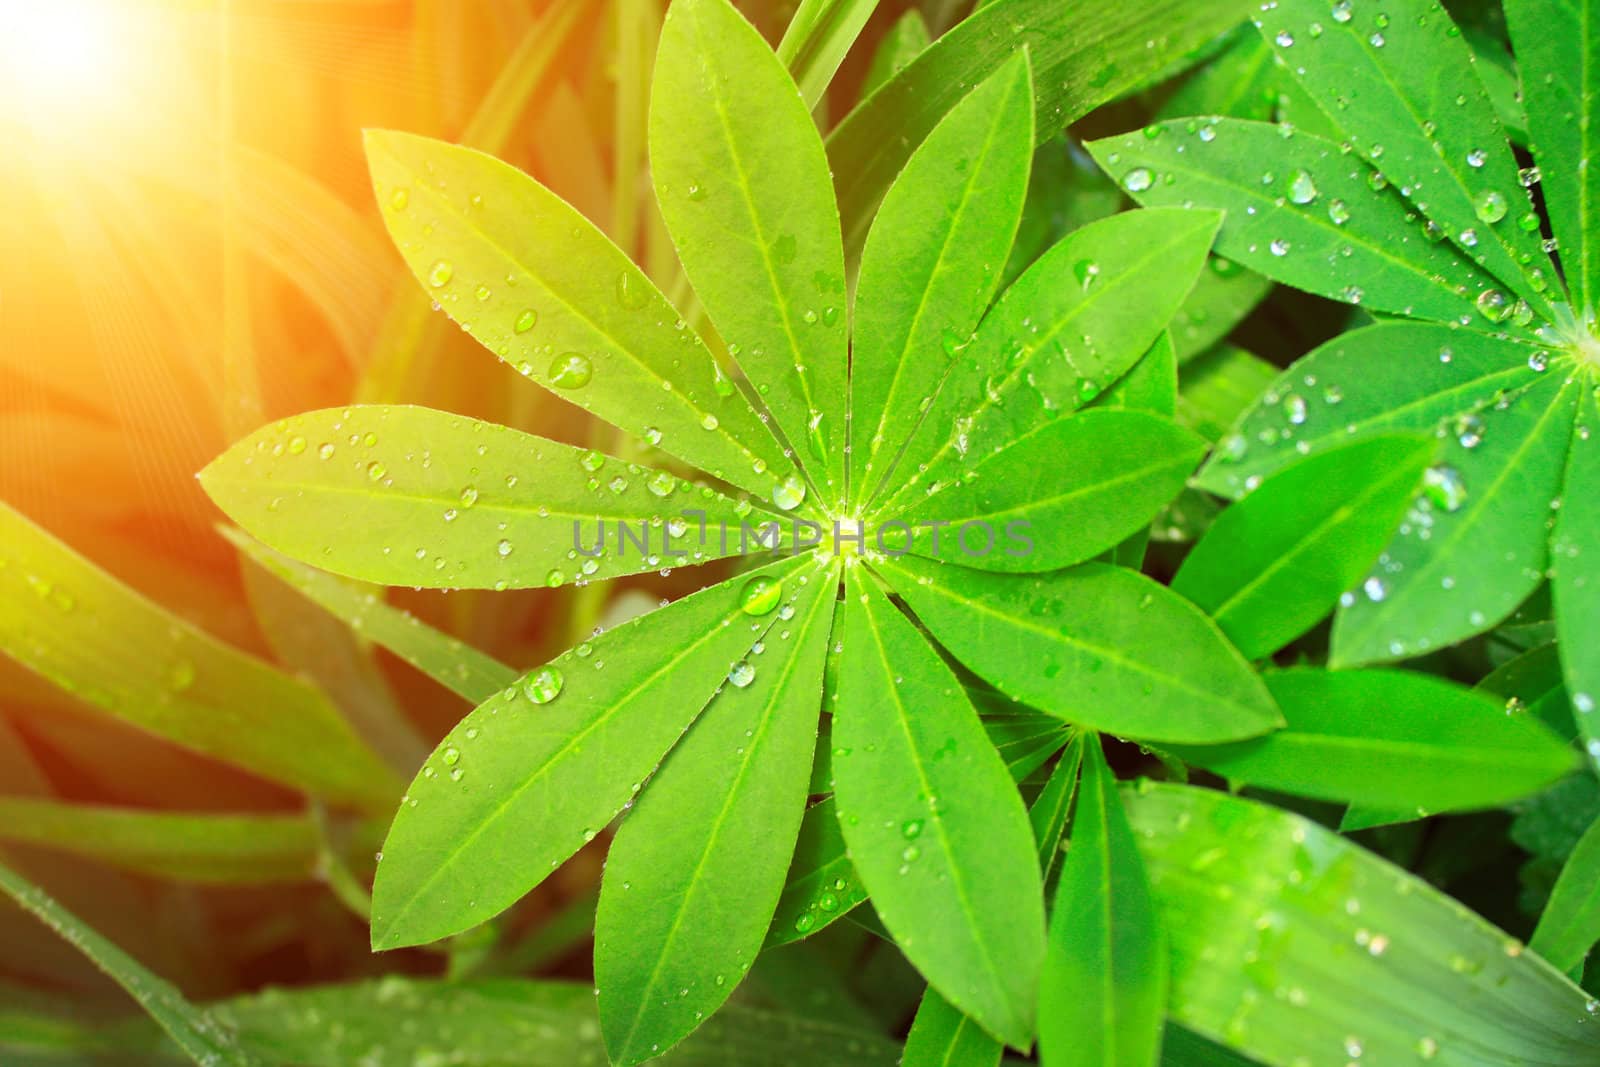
902	332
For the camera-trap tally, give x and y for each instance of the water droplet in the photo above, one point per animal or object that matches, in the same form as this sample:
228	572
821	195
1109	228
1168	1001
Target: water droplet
1494	305
760	595
1138	180
400	199
543	685
789	493
469	496
592	461
441	273
526	321
376	471
503	548
1279	247
709	421
571	371
1477	157
662	483
451	756
1490	206
1285	39
1302	187
1338	213
1375	589
1341	11
911	828
632	292
742	673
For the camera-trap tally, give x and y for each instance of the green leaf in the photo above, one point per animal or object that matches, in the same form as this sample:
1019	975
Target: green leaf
1103	991
203	849
694	873
934	824
743	184
1065	191
477	506
1241	81
932	263
514	1022
1558	52
1083	55
1570	924
201	1037
1099	646
566	307
72	623
1336	951
1275	563
1531	684
1575	558
943	1037
1323	223
452	663
1478	543
902	42
1394	377
1405	93
1223	296
817	40
536	771
1218	386
1048	812
1056	495
1150	385
1075	322
1391	739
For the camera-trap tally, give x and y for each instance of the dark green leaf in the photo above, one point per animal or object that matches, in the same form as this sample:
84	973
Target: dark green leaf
1570	925
1575	559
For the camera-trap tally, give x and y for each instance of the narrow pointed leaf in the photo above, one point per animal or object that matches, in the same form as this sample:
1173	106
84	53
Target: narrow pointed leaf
478	505
1570	923
935	825
1057	495
1083	55
1478	544
565	307
1369	957
817	40
1099	646
1219	386
1103	991
1049	809
71	622
1395	377
452	663
1401	85
1151	385
1391	739
932	263
943	1037
1531	684
694	873
534	772
1276	562
1575	559
1074	323
200	1036
904	40
1223	296
1558	53
744	189
202	849
1322	223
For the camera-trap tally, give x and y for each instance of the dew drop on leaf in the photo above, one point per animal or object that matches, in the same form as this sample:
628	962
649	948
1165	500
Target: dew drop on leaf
571	370
789	493
526	321
742	673
760	595
1138	180
543	685
441	273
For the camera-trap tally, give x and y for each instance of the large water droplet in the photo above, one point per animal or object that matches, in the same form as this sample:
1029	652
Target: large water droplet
1490	206
526	321
1444	487
543	685
742	673
1302	187
789	493
1138	180
441	273
571	371
760	595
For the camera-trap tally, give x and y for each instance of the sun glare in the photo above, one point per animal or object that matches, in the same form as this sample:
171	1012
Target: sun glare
61	60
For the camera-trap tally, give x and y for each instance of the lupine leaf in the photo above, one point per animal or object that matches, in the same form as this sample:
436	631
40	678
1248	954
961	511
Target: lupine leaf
478	506
1400	83
452	663
1218	386
743	184
1223	296
1276	562
1103	991
1056	495
819	35
695	871
932	262
1558	53
1083	55
934	824
1048	812
1570	924
1057	337
904	40
534	772
1391	378
1368	958
71	622
1575	560
197	848
200	1035
1391	739
1477	545
1296	227
1099	646
566	306
1532	684
943	1037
